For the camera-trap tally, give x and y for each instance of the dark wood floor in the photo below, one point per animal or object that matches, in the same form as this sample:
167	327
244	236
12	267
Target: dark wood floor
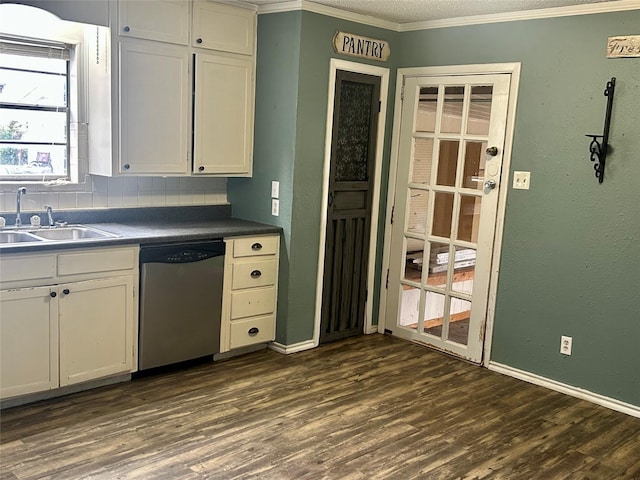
372	407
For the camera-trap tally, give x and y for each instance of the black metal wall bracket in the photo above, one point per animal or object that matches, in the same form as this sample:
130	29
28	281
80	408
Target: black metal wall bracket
599	149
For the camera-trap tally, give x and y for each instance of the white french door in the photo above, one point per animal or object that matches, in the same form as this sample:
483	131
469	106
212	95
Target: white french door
450	153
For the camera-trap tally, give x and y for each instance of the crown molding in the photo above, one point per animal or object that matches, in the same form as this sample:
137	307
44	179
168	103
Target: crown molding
591	8
308	6
587	9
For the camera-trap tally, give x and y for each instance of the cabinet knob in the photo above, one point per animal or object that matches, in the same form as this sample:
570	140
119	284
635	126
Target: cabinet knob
53	294
199	40
201	168
253	331
256	274
126	166
256	246
65	291
127	29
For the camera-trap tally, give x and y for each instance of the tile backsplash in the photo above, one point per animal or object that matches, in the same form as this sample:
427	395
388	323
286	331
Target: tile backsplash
118	192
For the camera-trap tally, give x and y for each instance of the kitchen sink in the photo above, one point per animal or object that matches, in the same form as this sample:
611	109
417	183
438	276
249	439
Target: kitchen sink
18	237
76	232
67	233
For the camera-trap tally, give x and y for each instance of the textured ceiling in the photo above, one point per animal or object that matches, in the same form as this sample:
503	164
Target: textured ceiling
409	11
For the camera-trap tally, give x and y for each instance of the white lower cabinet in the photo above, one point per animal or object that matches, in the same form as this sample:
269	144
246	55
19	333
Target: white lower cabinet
250	291
28	341
96	335
68	332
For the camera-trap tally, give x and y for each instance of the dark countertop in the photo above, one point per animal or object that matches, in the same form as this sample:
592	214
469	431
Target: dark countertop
158	228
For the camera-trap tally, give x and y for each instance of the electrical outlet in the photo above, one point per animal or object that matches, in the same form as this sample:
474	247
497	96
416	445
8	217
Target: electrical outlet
275	189
275	207
521	180
565	345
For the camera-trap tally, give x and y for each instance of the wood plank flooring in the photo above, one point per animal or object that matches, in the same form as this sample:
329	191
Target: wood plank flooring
370	407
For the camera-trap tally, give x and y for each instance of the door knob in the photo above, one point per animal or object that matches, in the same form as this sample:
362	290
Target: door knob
492	151
490	184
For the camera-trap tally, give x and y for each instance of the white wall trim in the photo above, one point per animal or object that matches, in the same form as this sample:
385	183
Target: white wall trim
591	8
583	394
294	5
587	9
477	69
293	348
383	73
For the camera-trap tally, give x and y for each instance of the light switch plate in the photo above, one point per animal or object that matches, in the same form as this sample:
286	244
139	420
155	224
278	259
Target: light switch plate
275	207
521	180
275	189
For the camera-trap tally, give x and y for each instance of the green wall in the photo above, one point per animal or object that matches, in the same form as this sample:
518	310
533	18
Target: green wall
302	128
569	265
570	262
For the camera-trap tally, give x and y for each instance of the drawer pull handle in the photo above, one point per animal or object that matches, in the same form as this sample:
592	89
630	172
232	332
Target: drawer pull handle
127	29
199	40
256	246
253	331
65	291
256	274
53	294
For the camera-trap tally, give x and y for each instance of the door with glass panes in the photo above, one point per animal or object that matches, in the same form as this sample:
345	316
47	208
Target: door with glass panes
446	196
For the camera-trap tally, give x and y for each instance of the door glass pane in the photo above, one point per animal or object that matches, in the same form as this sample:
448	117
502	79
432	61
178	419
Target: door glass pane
409	308
352	145
469	218
417	219
438	265
413	259
442	212
452	110
479	110
422	160
434	313
474	163
447	162
464	268
459	315
426	114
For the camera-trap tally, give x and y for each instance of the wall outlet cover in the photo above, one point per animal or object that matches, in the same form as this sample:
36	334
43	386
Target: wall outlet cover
521	180
275	207
565	345
275	189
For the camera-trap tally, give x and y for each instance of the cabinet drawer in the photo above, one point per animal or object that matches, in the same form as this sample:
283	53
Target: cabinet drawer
27	268
96	261
253	330
252	302
245	247
259	273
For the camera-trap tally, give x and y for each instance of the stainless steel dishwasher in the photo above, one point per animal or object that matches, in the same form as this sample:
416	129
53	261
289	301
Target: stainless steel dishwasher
180	302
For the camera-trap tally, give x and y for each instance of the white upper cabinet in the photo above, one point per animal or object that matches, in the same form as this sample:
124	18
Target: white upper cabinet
223	28
154	108
182	78
159	20
223	117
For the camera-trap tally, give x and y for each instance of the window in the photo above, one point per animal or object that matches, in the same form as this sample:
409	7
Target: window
34	109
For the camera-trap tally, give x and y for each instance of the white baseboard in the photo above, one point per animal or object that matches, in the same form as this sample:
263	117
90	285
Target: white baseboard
592	397
371	329
296	347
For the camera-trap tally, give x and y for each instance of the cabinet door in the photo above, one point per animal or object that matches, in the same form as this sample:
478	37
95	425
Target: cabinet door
96	328
160	20
223	27
223	129
154	108
28	341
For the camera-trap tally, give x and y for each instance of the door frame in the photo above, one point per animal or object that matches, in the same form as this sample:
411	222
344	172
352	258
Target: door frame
441	71
383	73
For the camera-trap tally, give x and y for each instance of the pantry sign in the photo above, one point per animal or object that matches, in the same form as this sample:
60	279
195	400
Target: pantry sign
363	47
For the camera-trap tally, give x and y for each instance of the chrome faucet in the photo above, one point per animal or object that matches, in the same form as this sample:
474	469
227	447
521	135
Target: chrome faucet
49	210
21	191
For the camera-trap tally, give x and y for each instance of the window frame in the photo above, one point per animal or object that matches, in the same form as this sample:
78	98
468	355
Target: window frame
39	48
